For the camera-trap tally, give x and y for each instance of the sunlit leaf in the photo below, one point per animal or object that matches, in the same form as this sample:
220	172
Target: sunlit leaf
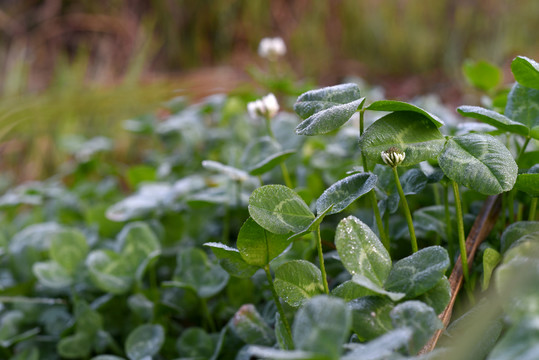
345	191
393	105
526	71
494	118
297	281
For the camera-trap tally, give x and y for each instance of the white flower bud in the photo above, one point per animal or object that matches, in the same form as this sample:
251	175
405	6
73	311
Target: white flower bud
265	107
393	156
271	48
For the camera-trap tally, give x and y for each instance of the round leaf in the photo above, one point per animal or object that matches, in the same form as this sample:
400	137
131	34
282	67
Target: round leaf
345	191
409	131
249	326
393	105
361	251
419	272
523	106
526	71
230	259
479	162
529	183
194	271
439	296
257	246
108	272
68	248
494	118
297	281
327	109
194	342
138	242
279	209
321	326
418	316
270	162
145	341
51	274
370	316
482	74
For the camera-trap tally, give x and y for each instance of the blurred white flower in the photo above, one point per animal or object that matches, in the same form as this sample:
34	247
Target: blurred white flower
271	48
393	156
265	107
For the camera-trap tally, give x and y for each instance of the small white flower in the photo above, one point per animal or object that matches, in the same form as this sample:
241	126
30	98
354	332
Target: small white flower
393	156
271	48
265	107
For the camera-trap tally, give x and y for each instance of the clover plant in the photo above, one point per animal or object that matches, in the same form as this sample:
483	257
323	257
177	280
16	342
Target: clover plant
251	233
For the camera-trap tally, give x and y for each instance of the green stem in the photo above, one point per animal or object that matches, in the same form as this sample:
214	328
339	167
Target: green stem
520	211
268	128
321	259
523	148
226	226
448	226
207	314
460	223
511	205
374	204
278	303
533	207
406	210
504	210
286	176
438	202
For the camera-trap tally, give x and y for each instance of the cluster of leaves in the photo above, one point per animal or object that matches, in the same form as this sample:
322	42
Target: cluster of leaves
203	261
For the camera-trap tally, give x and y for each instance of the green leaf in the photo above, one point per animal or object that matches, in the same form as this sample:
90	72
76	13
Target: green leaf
321	326
418	316
75	346
479	162
68	249
262	352
383	347
361	251
370	316
313	225
30	353
193	270
419	272
145	341
526	71
232	261
432	219
349	290
258	246
393	105
491	258
515	231
249	326
520	342
529	183
297	281
482	74
377	289
279	209
138	242
523	106
494	118
52	275
327	109
439	296
107	357
270	162
408	131
139	174
194	342
108	272
345	191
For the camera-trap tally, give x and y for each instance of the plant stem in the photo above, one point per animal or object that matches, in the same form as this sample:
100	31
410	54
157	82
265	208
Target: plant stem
523	148
460	223
278	303
374	204
449	227
406	210
504	209
520	211
533	206
207	314
286	176
284	170
438	202
321	259
511	205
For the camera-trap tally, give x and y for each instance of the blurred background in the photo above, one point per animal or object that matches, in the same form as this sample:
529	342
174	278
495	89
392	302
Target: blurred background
82	66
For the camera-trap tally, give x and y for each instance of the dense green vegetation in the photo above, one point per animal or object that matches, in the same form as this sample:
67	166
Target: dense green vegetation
248	232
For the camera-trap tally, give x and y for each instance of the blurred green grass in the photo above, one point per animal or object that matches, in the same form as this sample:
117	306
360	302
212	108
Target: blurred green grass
85	66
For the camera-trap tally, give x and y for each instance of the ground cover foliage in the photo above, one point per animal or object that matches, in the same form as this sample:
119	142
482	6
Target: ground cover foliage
328	233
